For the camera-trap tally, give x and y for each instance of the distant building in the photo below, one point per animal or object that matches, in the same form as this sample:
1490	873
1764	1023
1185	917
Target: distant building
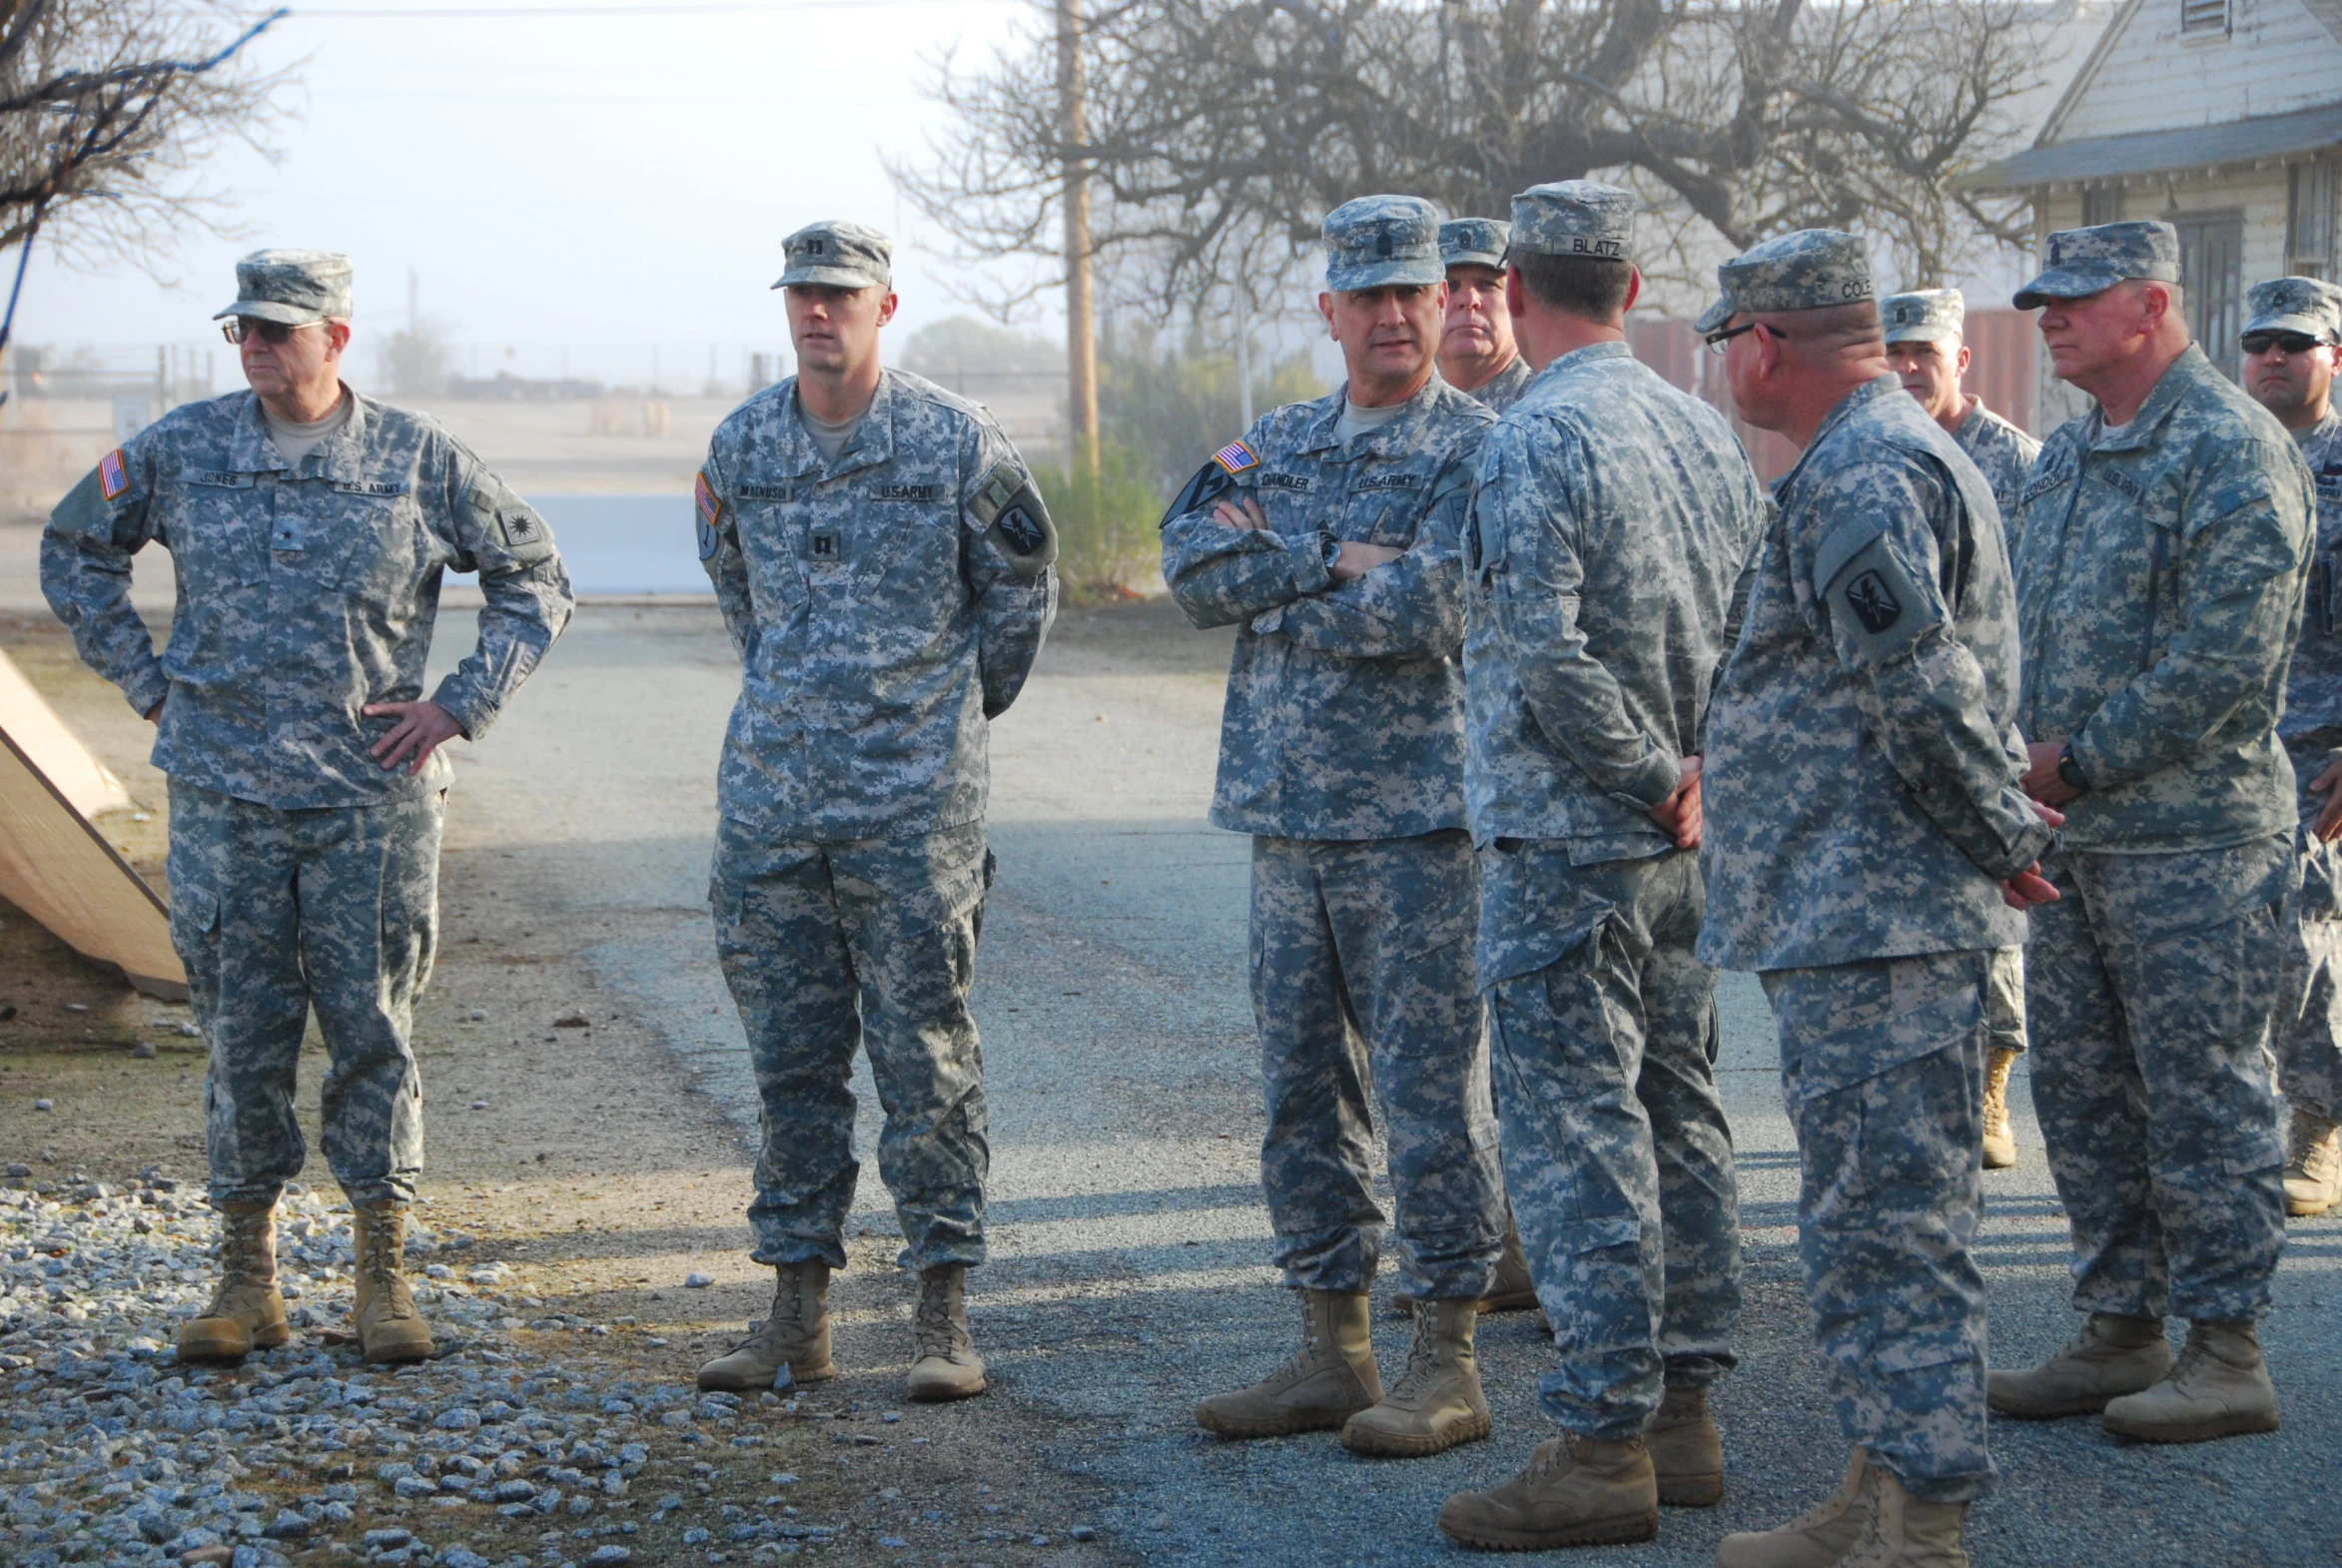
2221	117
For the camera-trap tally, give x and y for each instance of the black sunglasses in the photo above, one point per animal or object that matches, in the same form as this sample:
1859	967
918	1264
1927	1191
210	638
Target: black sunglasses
1717	340
2290	343
237	328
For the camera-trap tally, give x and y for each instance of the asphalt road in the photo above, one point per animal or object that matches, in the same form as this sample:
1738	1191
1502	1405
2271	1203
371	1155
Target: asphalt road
1130	1244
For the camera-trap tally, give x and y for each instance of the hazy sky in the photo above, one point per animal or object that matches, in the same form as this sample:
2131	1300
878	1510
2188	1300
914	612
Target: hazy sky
566	176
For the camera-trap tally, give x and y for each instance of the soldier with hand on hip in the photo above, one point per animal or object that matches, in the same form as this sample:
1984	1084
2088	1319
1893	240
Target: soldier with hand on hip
2290	359
884	563
1866	850
1925	348
310	528
1329	535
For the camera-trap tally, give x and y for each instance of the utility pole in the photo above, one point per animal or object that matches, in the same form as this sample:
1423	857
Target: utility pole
1244	356
1080	325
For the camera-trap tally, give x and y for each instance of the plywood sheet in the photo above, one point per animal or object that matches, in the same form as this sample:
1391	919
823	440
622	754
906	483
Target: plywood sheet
56	868
63	760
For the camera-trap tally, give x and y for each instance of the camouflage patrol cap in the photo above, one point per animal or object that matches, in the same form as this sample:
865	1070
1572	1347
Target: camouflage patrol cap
1575	218
291	286
1803	271
2296	305
1377	241
2084	262
1475	242
838	253
1923	315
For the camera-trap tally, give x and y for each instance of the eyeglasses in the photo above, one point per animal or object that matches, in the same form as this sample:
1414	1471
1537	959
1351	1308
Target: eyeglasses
2291	342
237	328
1716	341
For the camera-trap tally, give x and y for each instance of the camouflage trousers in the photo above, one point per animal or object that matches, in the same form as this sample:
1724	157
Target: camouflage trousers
873	944
2151	985
1361	955
2307	1034
1883	1069
1616	1150
275	911
2005	1000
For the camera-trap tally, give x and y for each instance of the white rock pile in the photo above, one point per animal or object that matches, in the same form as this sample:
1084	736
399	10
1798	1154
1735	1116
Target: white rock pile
113	1452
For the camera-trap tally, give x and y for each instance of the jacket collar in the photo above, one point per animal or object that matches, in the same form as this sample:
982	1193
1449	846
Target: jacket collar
1401	435
341	457
873	441
1847	406
2184	375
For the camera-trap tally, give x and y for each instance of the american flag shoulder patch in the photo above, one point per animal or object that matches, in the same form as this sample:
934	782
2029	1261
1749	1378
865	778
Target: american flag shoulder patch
113	476
703	497
1236	457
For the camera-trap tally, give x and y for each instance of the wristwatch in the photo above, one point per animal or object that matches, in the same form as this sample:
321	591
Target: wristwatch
1331	551
2071	771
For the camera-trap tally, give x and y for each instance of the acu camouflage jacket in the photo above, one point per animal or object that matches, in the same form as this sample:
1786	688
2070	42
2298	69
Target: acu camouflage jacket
307	591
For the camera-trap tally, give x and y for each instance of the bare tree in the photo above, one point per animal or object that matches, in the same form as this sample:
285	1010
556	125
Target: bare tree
104	105
1221	131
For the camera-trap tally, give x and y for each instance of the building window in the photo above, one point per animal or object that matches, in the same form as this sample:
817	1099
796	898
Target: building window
2202	16
2211	276
2310	206
2101	202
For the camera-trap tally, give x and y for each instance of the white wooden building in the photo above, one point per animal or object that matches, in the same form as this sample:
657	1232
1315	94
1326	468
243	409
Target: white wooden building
2221	117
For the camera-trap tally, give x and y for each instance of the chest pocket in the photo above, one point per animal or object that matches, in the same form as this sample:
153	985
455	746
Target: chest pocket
359	538
216	530
906	562
1388	502
773	531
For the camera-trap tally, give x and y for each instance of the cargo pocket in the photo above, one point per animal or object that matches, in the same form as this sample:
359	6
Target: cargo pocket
194	932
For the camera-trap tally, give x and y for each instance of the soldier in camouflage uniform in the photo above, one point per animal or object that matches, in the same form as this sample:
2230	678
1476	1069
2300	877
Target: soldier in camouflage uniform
1614	520
2290	359
1866	842
2166	543
1477	354
1328	533
1925	349
310	528
885	567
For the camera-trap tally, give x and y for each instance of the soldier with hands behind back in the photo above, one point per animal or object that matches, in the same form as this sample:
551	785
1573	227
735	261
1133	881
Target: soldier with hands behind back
1614	520
2290	359
1866	841
310	528
1925	348
1328	533
885	567
2166	543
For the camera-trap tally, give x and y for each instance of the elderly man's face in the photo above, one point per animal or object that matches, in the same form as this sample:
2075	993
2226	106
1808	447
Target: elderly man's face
2291	382
2094	333
1477	326
302	357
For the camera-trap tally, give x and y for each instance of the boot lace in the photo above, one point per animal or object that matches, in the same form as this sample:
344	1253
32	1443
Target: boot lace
1422	1361
777	1323
2317	1153
240	1238
934	1332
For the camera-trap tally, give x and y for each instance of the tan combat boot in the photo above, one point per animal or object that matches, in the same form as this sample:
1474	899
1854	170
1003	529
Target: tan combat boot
1687	1451
2000	1141
1510	1291
390	1328
1436	1403
1329	1379
1577	1491
1815	1539
2313	1177
947	1366
1907	1533
2111	1357
2220	1388
794	1335
246	1313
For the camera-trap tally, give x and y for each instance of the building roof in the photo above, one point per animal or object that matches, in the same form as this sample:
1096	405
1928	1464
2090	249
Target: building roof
2187	147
